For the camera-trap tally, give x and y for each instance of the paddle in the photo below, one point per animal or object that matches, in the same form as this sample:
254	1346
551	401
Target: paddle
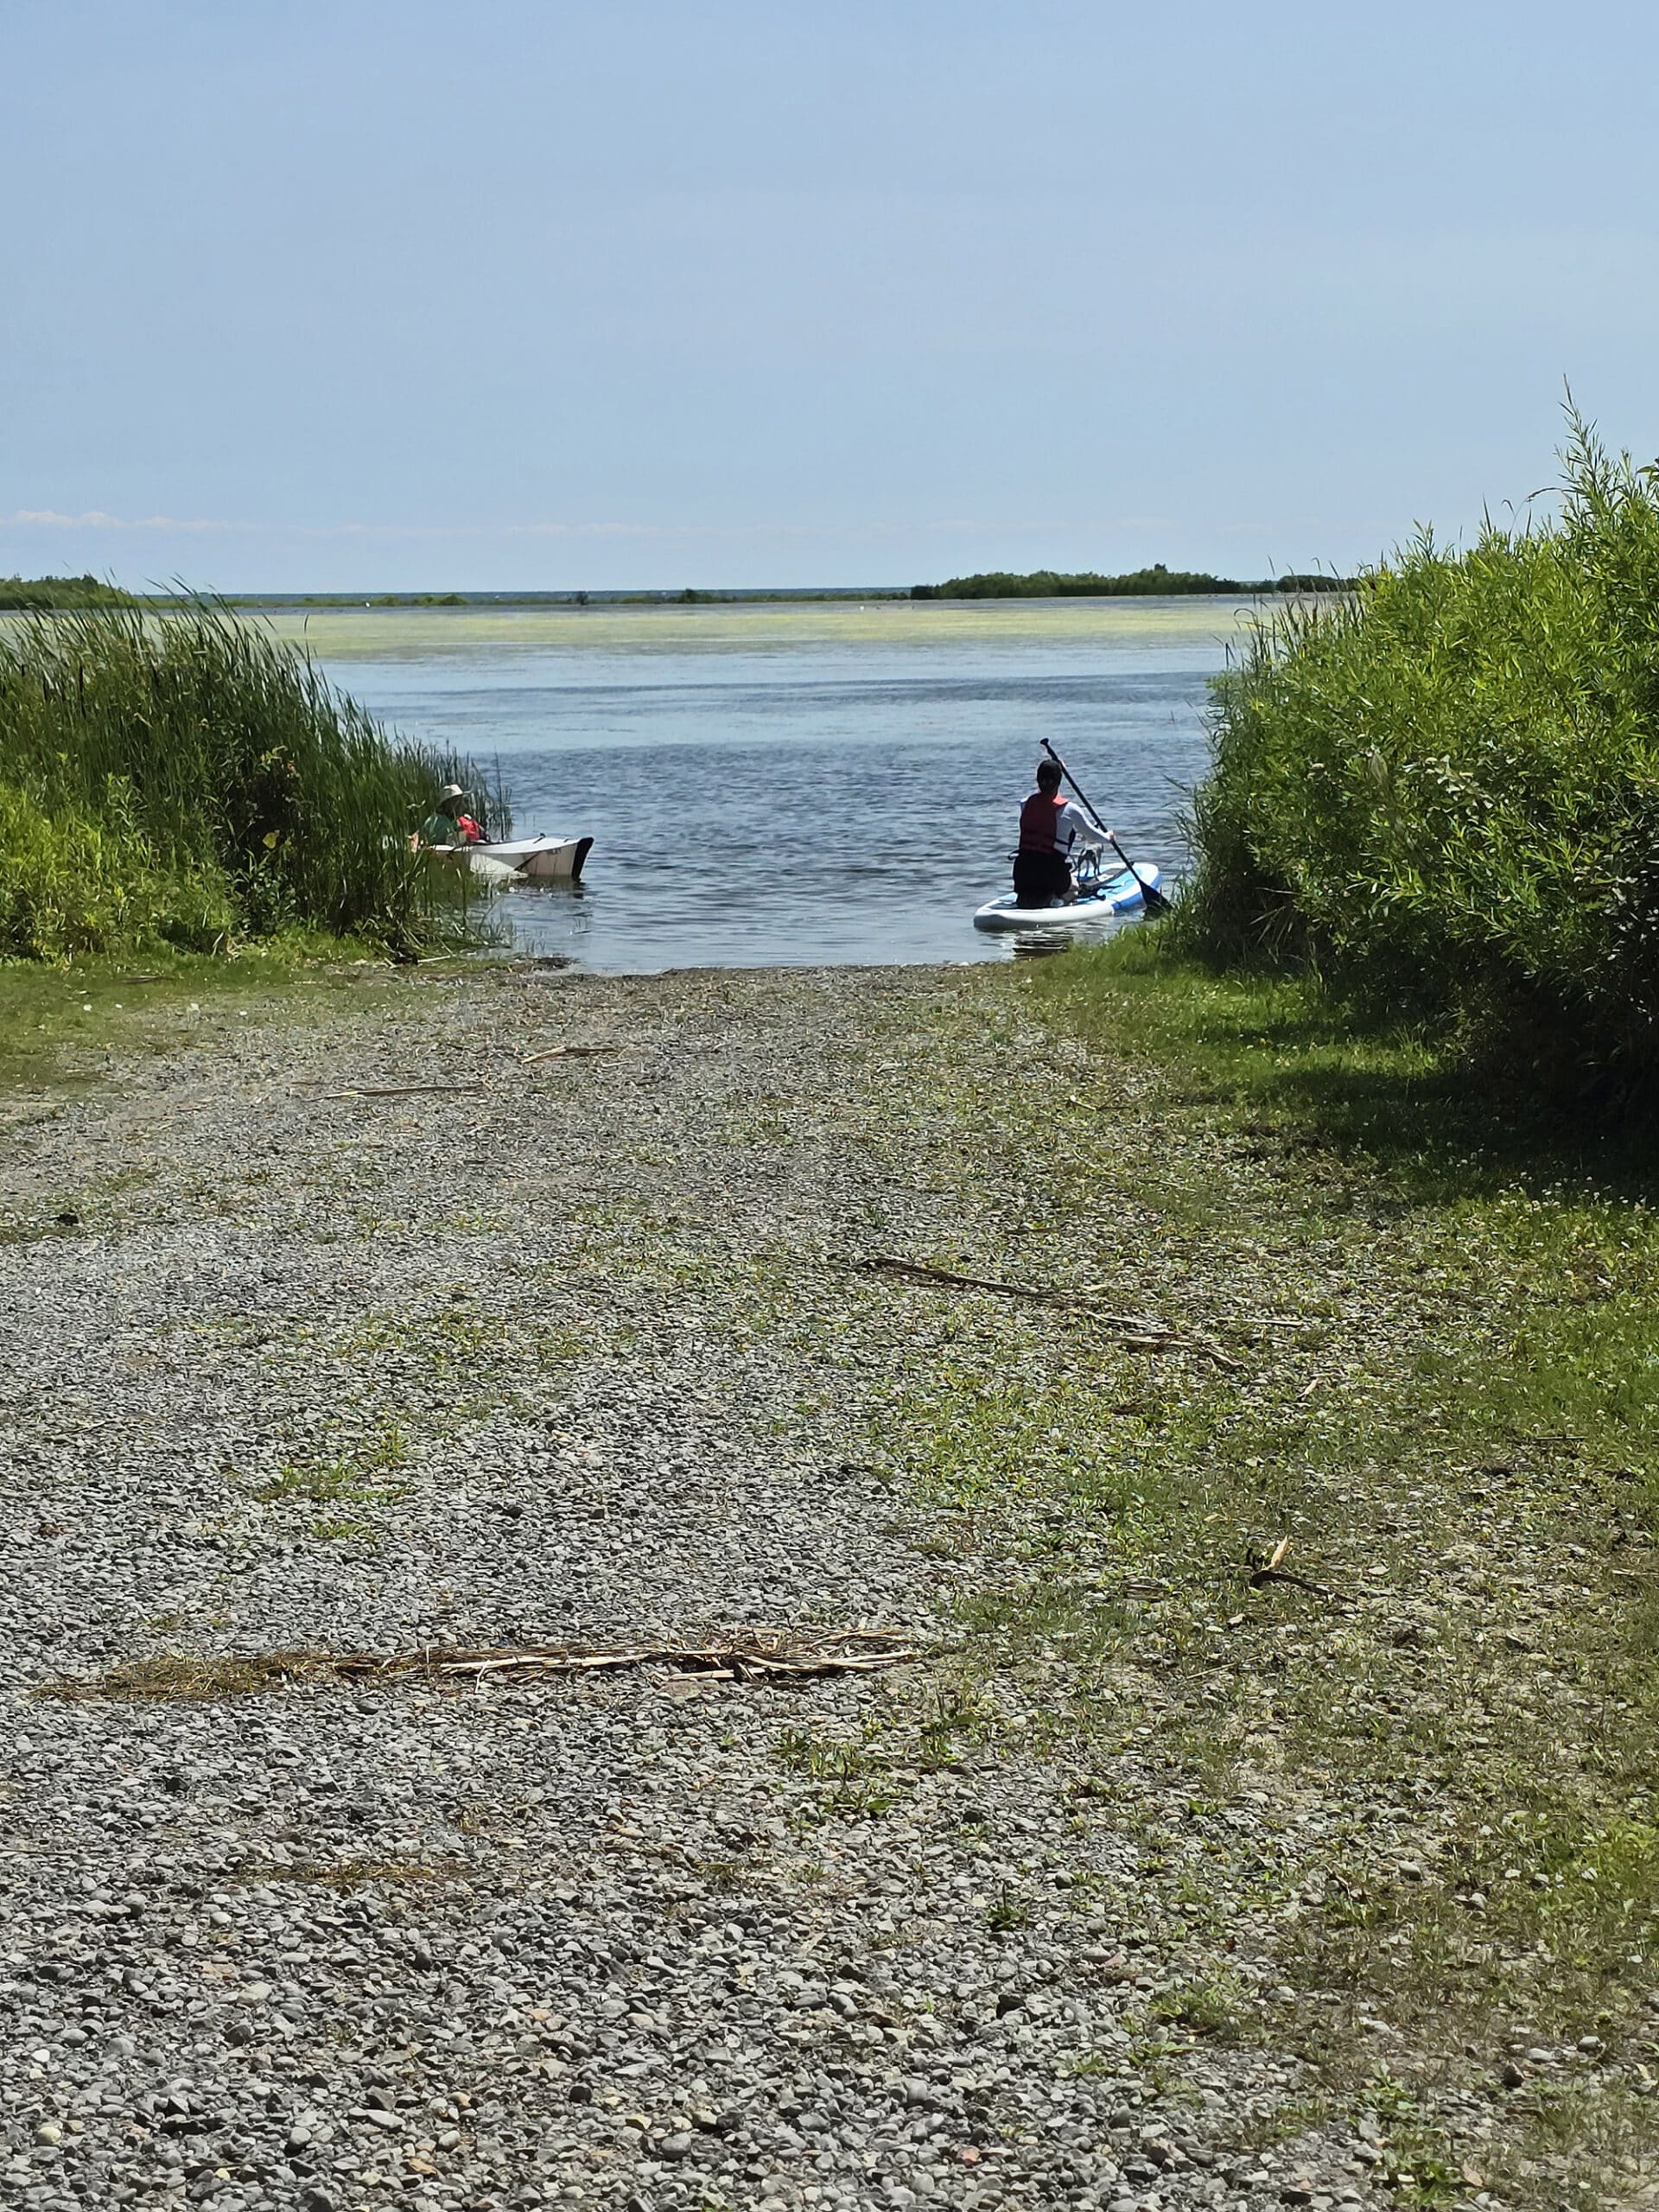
1151	896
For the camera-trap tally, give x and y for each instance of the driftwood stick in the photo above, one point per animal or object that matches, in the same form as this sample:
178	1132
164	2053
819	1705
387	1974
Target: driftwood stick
1217	1321
1265	1321
397	1089
1139	1331
1260	1577
1261	1572
567	1052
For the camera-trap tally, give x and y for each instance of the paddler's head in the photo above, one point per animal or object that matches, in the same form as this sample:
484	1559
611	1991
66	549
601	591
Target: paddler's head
449	799
1048	774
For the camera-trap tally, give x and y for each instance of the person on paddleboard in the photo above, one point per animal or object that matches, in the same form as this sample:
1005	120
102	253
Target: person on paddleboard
1050	825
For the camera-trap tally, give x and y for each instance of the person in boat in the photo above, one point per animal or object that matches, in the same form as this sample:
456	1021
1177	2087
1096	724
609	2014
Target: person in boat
450	825
1050	825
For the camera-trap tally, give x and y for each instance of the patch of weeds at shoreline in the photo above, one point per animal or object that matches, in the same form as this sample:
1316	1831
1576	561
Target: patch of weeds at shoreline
324	1482
1430	1723
348	1874
865	1777
66	1212
1419	2163
1213	2008
187	1678
851	1780
358	1478
324	1531
445	1364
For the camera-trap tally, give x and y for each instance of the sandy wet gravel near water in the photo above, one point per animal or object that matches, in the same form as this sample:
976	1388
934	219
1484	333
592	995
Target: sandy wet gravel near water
565	1349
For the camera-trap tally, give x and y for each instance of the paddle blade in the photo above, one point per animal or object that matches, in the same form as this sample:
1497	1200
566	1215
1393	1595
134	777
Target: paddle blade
1152	899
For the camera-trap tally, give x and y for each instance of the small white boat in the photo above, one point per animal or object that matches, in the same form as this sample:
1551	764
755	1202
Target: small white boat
1098	902
542	860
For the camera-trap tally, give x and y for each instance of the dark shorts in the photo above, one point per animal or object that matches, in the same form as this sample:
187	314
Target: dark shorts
1040	878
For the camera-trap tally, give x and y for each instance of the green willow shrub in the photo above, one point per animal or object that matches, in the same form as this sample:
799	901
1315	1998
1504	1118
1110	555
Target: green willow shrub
186	778
1443	791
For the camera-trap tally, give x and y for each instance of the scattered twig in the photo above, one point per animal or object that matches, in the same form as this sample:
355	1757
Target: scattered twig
1245	1321
1139	1331
569	1052
754	1654
1259	1573
918	1271
1266	1321
1263	1575
397	1089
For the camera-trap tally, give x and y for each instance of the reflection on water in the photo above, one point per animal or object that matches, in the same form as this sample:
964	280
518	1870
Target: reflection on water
794	784
1038	944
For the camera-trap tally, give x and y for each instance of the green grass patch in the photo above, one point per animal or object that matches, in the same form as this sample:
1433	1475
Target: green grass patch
360	1477
324	1530
62	1025
853	1779
1421	1779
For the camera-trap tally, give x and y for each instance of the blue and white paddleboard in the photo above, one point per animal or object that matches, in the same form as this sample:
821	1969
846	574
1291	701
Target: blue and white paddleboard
1117	894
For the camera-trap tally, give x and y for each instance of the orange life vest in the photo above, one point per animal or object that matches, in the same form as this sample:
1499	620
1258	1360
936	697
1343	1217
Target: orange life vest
1037	819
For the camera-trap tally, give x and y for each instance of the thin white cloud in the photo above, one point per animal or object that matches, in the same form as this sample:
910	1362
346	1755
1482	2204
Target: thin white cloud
49	519
95	519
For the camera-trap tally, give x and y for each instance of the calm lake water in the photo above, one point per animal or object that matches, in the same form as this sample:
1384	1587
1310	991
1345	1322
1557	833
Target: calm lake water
793	785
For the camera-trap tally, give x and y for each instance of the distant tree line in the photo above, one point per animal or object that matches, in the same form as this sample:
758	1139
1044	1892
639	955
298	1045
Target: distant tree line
1156	582
44	594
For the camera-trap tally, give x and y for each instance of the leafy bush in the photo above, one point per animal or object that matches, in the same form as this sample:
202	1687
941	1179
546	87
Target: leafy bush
187	778
1443	791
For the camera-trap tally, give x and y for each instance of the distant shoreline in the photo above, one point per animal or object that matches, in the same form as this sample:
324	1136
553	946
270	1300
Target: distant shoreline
665	602
60	595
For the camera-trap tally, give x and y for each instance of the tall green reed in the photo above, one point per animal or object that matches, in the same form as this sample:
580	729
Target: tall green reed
1443	791
186	778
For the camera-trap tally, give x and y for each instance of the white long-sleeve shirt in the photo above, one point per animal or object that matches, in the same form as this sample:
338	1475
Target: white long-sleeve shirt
1072	826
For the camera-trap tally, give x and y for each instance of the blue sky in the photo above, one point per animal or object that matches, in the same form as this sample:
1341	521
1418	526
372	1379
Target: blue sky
388	294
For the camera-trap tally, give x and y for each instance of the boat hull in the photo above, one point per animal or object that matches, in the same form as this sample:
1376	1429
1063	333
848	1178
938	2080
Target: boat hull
544	860
1117	895
541	860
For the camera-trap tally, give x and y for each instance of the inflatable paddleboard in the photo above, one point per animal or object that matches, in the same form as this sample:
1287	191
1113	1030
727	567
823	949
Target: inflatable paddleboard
1117	894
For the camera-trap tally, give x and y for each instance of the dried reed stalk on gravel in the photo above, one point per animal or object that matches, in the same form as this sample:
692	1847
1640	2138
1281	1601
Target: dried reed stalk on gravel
739	1655
1139	1331
567	1053
397	1089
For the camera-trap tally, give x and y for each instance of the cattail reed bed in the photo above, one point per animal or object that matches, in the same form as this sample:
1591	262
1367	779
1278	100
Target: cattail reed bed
1443	793
187	779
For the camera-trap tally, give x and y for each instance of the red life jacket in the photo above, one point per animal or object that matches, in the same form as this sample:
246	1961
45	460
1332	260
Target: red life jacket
469	829
1037	818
